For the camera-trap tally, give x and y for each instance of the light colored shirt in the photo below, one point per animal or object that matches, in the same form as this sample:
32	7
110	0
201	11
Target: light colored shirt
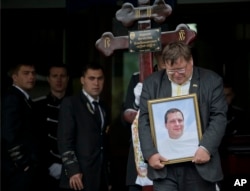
178	90
183	147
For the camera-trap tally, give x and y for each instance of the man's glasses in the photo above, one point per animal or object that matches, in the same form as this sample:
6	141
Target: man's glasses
179	71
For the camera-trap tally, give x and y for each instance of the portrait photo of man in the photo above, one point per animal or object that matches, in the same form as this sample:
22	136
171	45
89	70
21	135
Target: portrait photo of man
176	132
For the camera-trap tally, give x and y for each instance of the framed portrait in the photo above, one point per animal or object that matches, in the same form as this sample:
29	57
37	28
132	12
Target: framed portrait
175	127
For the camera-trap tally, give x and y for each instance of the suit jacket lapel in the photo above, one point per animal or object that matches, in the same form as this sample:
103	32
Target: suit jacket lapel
194	85
165	89
85	101
21	94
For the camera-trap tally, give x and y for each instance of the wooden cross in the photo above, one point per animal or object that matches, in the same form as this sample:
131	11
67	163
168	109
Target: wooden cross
107	44
127	15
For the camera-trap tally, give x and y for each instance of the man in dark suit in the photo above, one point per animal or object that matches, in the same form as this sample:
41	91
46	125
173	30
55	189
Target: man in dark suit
20	157
182	78
58	78
83	135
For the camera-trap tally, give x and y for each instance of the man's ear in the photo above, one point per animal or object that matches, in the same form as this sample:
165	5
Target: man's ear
14	77
82	80
191	61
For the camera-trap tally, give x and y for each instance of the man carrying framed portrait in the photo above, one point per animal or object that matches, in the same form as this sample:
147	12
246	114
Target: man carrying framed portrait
181	78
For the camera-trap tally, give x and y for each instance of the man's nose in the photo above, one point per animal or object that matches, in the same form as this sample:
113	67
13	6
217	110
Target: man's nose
177	122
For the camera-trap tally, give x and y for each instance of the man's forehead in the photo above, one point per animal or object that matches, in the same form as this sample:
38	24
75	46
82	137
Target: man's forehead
26	68
90	73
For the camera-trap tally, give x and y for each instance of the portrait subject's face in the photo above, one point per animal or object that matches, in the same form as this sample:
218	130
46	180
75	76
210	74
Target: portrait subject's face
175	125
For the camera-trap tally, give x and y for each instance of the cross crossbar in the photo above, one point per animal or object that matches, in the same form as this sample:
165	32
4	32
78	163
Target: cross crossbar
107	44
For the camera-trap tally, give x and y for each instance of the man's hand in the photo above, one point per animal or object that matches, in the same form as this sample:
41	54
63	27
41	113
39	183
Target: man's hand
201	156
75	182
129	115
156	160
137	93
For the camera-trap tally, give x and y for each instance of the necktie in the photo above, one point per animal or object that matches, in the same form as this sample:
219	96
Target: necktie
29	102
97	113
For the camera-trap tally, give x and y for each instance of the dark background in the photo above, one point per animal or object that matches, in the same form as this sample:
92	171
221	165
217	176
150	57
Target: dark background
68	31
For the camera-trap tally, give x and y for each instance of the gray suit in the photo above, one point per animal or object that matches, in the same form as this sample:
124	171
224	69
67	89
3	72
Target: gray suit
212	106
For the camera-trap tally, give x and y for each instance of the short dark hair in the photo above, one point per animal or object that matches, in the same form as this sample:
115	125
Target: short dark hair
93	66
58	65
173	51
15	68
172	110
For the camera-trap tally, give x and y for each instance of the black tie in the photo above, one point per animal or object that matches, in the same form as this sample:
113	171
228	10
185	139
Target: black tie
29	102
97	113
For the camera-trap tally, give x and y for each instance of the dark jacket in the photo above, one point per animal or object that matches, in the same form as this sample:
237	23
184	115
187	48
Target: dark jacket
47	109
18	132
131	172
130	97
21	155
82	143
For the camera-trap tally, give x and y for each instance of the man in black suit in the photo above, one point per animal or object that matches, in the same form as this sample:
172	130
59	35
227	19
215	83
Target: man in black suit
182	78
83	135
58	78
20	157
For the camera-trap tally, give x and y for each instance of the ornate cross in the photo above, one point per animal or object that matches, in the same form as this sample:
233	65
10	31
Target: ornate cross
129	14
